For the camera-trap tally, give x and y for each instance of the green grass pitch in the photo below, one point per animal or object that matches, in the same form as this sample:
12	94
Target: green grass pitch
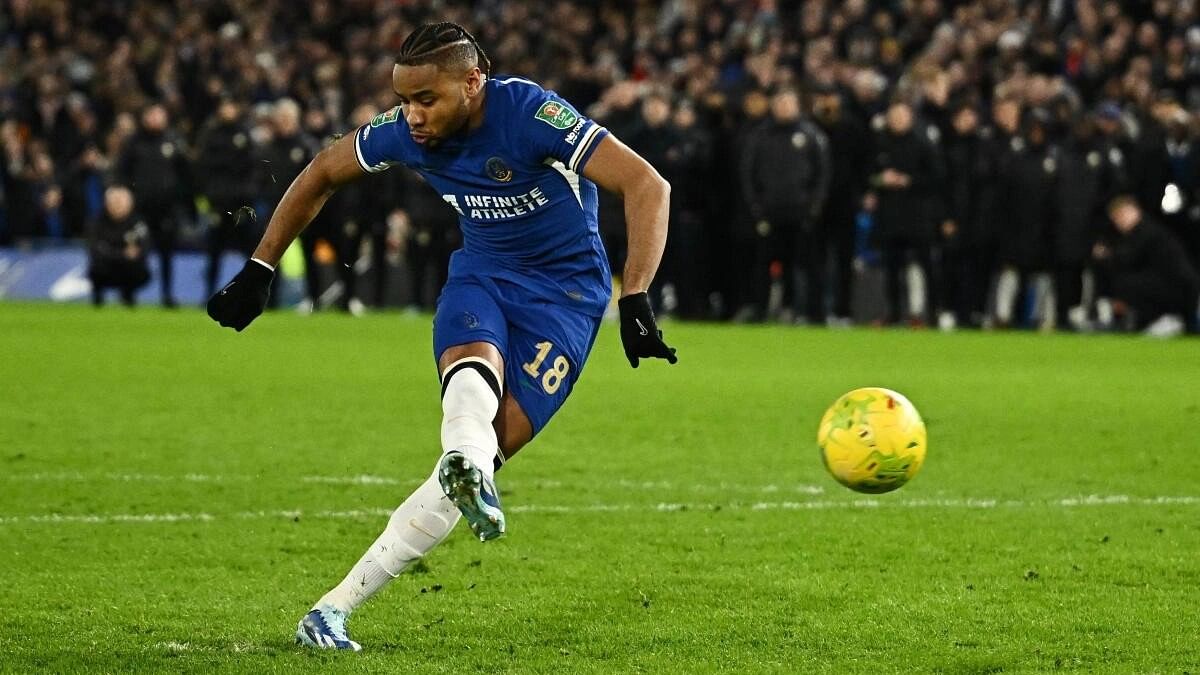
174	496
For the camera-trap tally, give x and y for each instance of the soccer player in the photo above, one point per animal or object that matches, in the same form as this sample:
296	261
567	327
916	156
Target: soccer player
525	295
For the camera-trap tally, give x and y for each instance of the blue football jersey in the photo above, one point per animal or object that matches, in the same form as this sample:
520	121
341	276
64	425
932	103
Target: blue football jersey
526	212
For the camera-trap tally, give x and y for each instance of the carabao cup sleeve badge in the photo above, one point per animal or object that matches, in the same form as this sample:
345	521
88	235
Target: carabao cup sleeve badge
556	114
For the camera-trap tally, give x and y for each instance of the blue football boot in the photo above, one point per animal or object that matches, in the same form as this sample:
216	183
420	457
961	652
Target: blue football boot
474	494
325	628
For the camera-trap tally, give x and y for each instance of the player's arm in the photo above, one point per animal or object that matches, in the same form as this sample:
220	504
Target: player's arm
616	168
245	297
332	168
647	196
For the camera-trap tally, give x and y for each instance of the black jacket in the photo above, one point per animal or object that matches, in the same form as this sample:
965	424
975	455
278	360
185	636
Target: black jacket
1150	258
904	212
786	171
155	167
225	165
280	161
970	182
107	238
1027	201
849	156
1090	179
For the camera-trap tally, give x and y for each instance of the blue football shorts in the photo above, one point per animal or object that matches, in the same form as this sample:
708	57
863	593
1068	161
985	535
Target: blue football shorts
544	345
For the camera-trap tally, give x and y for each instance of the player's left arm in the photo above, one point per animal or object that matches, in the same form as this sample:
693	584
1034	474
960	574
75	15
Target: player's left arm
647	196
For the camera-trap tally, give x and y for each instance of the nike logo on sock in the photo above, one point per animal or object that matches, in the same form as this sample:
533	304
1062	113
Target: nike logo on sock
413	523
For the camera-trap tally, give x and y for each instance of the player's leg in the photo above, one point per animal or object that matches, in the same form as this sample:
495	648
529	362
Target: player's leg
547	349
415	528
472	388
537	363
467	315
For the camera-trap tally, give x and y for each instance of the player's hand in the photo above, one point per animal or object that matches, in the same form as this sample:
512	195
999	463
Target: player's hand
243	298
639	332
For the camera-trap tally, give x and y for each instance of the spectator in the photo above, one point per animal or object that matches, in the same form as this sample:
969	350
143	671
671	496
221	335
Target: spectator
283	156
905	169
849	153
1180	201
359	212
72	84
154	166
116	248
967	241
1027	185
693	208
1093	178
225	174
653	137
1154	286
754	108
785	180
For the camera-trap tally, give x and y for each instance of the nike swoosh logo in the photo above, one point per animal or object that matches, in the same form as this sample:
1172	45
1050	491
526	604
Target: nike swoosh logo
413	522
641	327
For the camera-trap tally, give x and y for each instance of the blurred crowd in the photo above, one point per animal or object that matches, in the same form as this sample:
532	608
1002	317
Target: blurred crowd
949	162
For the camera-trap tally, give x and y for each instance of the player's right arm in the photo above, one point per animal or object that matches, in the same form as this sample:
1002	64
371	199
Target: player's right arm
245	297
332	168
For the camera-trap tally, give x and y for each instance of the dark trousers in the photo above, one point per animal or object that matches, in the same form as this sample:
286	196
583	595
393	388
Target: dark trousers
228	233
320	229
351	243
1068	287
840	234
428	260
685	264
789	250
1150	295
123	274
161	218
811	259
966	275
773	252
897	252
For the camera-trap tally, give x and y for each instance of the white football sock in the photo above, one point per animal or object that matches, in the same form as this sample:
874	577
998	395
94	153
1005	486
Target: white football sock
470	400
469	404
419	524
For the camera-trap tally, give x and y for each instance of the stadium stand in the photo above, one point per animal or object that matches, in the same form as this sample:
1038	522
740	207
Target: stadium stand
1034	115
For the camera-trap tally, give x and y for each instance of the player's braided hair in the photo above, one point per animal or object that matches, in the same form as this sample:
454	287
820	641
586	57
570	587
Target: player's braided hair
441	43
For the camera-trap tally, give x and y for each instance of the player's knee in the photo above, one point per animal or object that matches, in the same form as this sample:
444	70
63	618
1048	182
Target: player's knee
471	385
470	398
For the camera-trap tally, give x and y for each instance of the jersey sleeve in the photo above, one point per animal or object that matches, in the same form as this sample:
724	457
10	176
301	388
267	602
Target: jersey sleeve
376	145
555	130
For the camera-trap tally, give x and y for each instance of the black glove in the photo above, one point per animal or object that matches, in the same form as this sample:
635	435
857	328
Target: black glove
244	298
639	333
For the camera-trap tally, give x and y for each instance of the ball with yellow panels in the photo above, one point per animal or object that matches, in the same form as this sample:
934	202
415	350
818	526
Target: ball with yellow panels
872	440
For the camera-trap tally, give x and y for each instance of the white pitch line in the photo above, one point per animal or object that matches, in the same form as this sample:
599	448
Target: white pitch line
75	476
373	480
664	507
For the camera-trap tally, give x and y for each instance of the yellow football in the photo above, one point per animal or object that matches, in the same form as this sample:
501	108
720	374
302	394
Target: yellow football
872	440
